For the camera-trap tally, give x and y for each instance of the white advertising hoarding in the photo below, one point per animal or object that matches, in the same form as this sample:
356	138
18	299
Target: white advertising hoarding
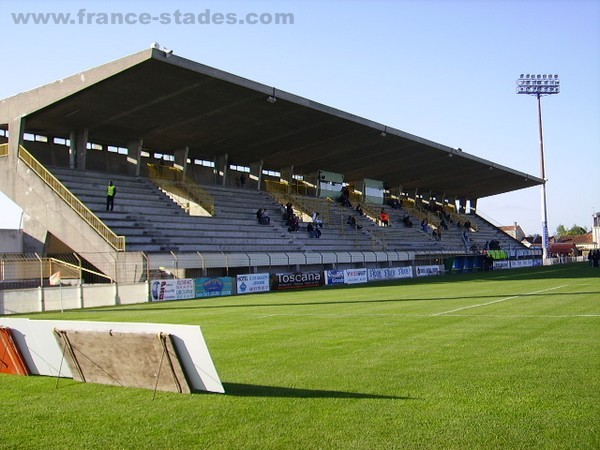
389	273
252	283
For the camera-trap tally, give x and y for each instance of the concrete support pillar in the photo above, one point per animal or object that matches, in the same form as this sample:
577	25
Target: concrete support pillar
72	150
256	169
82	142
462	205
181	157
221	164
287	175
134	157
16	128
472	204
78	140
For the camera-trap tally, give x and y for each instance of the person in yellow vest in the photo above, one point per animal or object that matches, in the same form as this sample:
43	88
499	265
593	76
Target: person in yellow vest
111	191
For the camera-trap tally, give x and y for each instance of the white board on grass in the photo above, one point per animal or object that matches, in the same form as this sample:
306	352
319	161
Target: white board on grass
44	356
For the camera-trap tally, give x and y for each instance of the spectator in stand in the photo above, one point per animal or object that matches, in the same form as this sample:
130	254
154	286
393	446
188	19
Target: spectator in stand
395	203
243	180
262	215
265	218
353	223
384	217
424	225
294	224
317	221
406	221
310	228
289	213
359	210
345	197
313	231
111	192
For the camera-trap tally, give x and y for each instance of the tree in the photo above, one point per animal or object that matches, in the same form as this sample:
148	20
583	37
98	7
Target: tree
575	230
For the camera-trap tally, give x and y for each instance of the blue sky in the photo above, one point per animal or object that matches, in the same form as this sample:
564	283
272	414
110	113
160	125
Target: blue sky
442	70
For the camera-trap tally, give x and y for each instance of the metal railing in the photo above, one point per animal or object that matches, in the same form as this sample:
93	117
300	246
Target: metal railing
275	187
183	189
117	242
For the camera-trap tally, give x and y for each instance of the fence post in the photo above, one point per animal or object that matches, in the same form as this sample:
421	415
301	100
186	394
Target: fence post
42	303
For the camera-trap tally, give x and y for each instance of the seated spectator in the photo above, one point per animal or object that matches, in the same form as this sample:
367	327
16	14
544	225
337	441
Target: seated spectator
262	215
406	221
395	203
283	212
443	224
265	219
424	225
289	213
313	231
359	210
352	221
294	223
466	238
384	217
310	228
317	220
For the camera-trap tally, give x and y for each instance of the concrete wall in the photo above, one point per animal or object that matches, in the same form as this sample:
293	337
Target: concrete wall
11	241
71	297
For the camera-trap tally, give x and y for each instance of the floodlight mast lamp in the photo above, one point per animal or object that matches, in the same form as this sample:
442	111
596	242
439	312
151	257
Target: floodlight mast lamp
539	85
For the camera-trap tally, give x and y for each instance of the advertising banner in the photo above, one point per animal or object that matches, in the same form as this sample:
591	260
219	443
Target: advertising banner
498	265
389	273
353	276
427	271
297	280
333	277
213	287
252	283
518	263
181	289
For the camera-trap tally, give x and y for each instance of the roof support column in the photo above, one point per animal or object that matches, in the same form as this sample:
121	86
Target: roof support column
462	205
16	128
257	168
287	174
472	204
181	157
78	149
221	164
134	158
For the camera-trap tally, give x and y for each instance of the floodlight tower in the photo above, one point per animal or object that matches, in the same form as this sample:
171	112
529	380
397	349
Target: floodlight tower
539	85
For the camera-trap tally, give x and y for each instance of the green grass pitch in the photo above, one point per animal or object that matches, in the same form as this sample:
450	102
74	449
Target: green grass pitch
501	360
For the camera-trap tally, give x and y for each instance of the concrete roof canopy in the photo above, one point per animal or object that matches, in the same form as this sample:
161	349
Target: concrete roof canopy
171	102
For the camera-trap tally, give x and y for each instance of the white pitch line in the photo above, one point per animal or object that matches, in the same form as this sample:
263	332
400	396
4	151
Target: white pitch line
498	301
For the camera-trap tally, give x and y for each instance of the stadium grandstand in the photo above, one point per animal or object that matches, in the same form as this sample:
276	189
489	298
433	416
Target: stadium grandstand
176	136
